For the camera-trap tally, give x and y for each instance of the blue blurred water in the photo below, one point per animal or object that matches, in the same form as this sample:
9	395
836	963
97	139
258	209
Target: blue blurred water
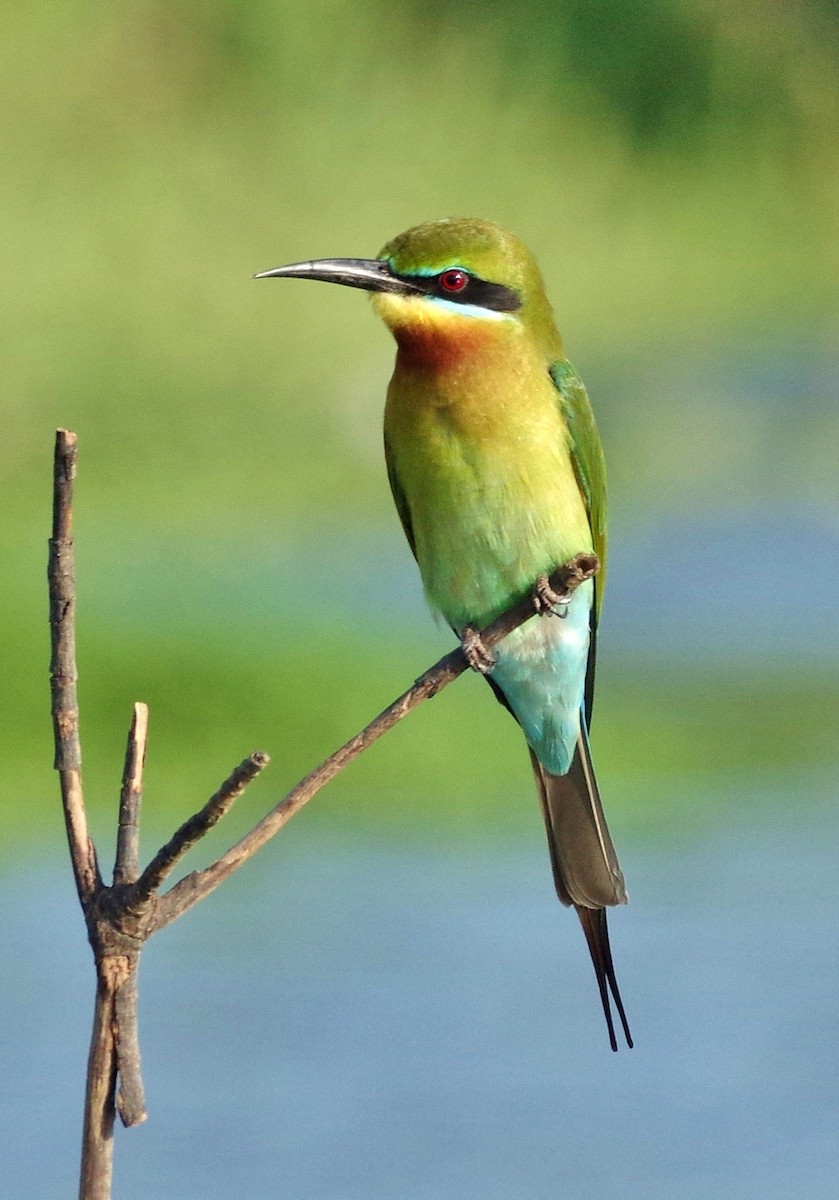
418	1020
746	584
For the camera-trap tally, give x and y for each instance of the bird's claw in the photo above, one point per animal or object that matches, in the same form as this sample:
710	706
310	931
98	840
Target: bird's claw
480	659
547	601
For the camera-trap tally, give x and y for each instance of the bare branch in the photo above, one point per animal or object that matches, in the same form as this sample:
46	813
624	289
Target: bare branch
98	1136
65	708
198	825
131	1099
126	867
194	887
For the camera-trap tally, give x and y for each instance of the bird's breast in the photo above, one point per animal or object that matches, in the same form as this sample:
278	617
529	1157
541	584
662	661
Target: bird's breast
481	455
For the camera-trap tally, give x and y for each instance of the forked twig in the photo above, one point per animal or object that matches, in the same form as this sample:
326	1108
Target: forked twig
121	917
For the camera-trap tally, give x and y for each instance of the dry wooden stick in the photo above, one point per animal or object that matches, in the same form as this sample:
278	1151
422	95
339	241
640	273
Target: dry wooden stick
98	1131
126	866
198	825
122	916
65	705
130	1095
193	888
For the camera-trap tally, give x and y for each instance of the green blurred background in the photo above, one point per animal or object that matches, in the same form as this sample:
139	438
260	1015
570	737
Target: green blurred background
674	166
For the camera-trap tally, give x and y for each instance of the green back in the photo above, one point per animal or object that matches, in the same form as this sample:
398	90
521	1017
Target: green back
590	469
587	457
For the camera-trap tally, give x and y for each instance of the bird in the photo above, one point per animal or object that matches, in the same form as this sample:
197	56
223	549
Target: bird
497	473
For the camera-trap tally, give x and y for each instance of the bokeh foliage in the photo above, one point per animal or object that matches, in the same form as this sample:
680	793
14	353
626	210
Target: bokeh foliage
673	164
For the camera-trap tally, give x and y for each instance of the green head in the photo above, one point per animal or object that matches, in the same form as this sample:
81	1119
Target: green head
445	276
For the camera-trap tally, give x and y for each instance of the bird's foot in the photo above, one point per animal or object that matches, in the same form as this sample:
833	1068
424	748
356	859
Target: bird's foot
547	601
480	659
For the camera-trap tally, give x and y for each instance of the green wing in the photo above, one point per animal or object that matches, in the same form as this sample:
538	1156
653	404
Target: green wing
590	469
587	457
399	498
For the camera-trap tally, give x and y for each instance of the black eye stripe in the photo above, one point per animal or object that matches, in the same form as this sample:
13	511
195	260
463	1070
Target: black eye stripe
479	292
487	295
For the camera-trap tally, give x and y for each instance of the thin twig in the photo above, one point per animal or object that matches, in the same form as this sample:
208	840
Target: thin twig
65	706
126	867
194	887
131	1099
198	825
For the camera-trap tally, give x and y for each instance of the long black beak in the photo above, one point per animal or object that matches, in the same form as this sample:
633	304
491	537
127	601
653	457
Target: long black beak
371	274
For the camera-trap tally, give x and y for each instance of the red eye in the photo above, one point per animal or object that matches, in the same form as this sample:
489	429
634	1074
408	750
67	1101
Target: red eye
454	280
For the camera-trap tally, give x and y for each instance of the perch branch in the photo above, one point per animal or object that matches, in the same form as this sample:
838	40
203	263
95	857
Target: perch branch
194	887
